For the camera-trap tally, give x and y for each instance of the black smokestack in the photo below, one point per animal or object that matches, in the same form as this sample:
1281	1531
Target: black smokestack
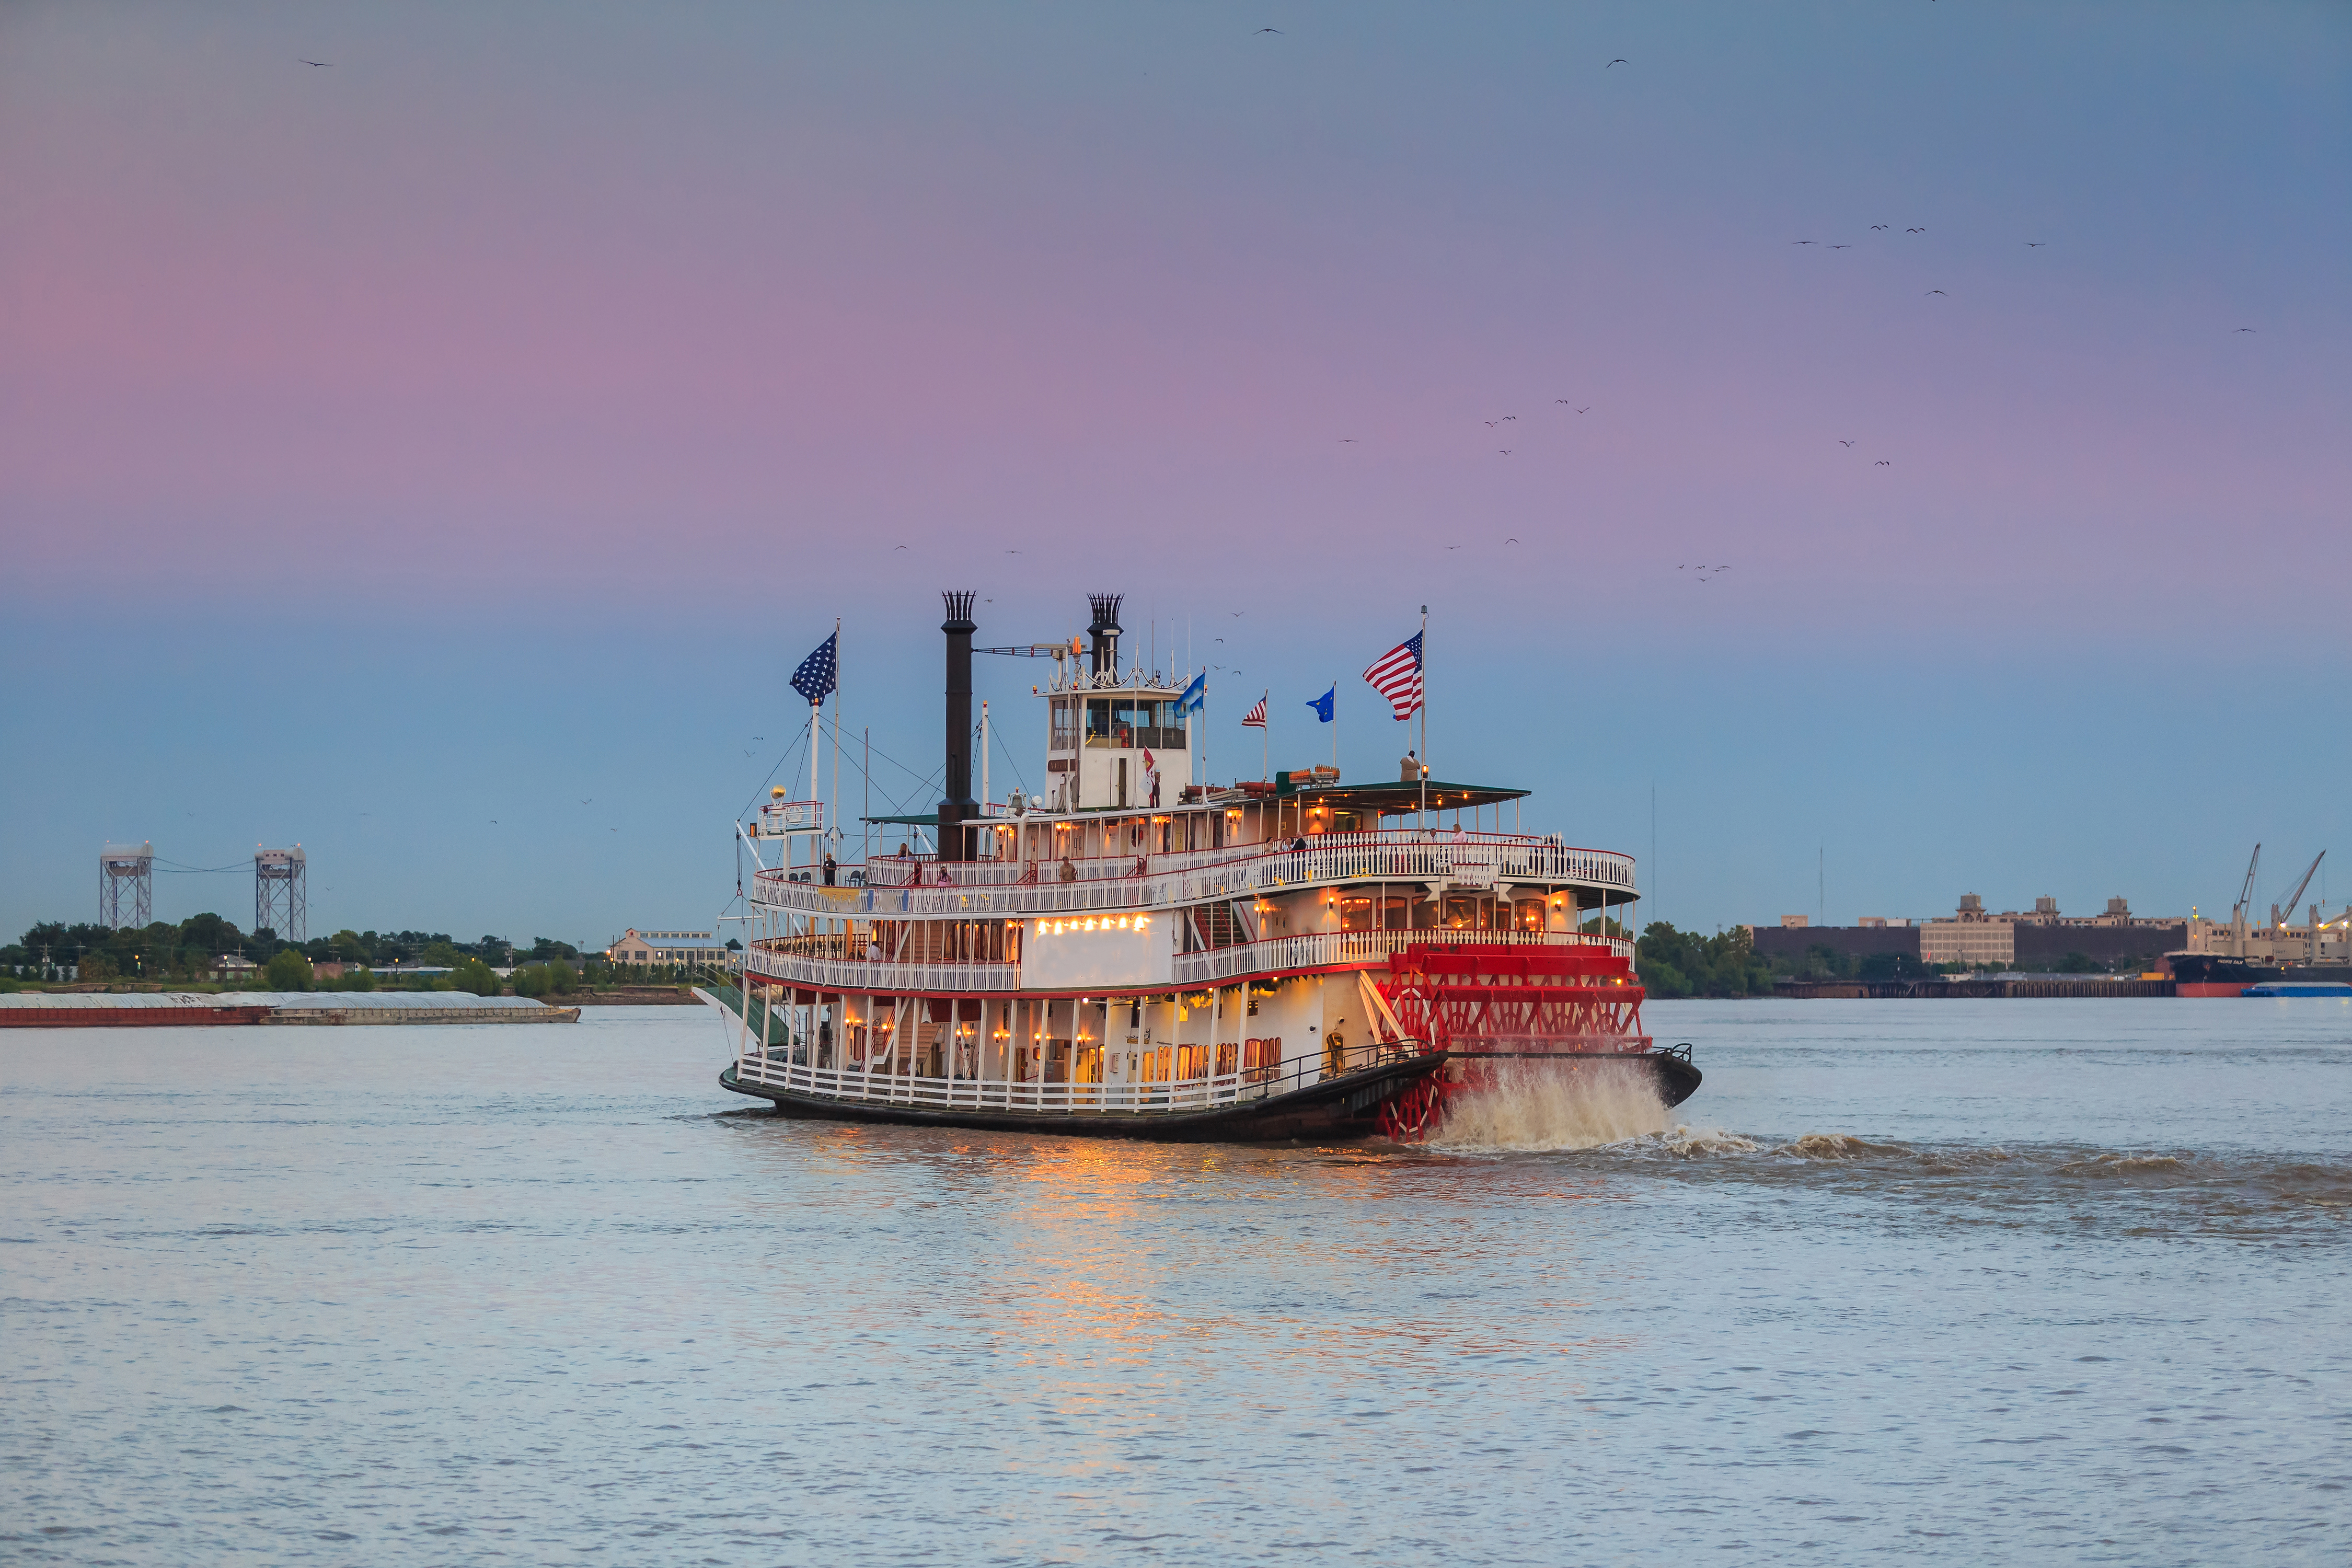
958	807
1105	631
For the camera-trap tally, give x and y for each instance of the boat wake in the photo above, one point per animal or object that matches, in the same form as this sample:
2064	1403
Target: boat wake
1529	1109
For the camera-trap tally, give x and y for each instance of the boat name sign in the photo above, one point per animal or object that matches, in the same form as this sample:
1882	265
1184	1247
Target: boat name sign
1098	953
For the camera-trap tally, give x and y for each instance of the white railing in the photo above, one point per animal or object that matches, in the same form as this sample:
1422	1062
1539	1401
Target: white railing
1281	954
859	977
772	1070
1512	855
1326	950
981	889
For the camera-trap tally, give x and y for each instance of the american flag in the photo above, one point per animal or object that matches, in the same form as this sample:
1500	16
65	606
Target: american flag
1396	675
818	675
1255	718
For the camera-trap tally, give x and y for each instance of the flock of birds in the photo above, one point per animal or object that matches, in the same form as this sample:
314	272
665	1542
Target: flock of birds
1701	573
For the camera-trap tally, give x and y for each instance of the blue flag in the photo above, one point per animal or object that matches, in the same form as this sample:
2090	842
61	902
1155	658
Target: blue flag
1195	694
1324	704
814	679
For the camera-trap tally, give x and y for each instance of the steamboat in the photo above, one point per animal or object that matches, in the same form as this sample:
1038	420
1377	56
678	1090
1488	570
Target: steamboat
1135	953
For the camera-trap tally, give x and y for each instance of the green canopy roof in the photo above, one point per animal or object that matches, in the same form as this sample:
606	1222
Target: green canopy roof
1397	798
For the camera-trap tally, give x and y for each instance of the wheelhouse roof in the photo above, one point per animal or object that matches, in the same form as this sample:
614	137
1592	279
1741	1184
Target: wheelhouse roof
1402	798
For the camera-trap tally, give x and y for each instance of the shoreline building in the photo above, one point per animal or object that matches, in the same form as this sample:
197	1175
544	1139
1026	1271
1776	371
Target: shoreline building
667	949
1971	935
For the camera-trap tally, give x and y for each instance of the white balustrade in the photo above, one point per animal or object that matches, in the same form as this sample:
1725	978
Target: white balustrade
1328	949
860	978
984	888
771	1071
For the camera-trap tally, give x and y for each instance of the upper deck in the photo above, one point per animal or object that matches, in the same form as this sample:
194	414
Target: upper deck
913	885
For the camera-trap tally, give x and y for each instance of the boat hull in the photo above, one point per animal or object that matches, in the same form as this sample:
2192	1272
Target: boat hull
1362	1104
1339	1109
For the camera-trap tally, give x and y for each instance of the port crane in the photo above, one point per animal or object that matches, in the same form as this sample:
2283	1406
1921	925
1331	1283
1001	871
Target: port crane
2246	894
2280	921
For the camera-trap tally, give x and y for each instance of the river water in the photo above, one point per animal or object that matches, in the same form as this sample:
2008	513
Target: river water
1935	1281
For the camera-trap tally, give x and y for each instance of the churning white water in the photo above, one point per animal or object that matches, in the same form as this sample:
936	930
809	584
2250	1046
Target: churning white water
1533	1107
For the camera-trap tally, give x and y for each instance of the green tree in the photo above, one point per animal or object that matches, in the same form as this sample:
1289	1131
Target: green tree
96	966
287	969
476	976
440	953
209	932
1686	963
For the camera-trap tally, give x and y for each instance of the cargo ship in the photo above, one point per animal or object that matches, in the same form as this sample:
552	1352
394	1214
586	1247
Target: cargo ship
1135	953
2220	974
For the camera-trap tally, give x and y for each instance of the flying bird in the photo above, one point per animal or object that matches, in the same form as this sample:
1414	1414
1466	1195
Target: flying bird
1841	248
2035	244
1843	442
1505	451
1935	291
1346	440
1621	60
1882	463
1805	242
1265	30
1914	231
2243	330
1509	416
320	63
1586	409
1876	227
897	547
1510	542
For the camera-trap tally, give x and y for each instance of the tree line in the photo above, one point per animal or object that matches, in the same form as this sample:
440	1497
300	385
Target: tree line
200	941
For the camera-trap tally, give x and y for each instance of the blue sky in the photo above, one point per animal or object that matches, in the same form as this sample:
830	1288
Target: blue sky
487	422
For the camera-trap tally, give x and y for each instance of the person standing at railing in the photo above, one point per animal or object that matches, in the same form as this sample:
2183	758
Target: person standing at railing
1334	1051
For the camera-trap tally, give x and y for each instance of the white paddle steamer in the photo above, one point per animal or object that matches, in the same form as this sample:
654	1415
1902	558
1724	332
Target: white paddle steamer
1135	953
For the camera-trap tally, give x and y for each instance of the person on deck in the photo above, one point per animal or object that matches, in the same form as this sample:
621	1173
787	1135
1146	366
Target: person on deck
1410	769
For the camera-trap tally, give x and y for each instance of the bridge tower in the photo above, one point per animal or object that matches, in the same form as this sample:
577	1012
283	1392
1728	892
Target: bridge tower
280	901
126	869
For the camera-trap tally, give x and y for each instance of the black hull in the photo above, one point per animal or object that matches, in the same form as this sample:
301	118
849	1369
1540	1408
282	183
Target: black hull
2219	969
1343	1108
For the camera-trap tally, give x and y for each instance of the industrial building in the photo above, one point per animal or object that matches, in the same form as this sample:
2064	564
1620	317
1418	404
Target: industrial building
2036	939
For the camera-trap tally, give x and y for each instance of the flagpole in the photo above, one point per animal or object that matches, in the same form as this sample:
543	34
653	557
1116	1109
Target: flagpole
1424	717
1335	729
833	825
1264	742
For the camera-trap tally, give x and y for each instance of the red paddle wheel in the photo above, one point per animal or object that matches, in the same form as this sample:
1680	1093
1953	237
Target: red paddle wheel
1506	1004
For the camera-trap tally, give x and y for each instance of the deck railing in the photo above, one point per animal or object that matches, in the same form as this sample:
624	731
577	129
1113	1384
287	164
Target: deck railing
824	966
1326	950
774	1069
981	889
862	977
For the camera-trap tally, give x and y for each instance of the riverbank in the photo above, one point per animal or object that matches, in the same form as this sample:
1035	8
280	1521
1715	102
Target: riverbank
1957	986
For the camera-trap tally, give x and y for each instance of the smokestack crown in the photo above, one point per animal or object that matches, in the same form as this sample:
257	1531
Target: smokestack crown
1105	630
